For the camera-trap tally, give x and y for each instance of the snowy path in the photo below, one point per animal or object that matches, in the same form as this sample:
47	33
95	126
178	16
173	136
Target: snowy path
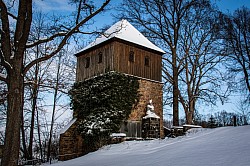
228	146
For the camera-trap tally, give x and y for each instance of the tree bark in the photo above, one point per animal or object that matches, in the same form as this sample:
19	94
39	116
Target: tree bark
189	117
39	135
12	59
25	151
14	115
54	109
175	91
33	111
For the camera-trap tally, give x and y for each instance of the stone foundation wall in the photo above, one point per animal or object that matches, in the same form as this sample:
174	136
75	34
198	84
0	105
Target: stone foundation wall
71	144
149	90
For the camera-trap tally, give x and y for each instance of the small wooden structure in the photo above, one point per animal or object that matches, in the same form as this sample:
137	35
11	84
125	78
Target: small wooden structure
132	128
186	127
176	131
117	137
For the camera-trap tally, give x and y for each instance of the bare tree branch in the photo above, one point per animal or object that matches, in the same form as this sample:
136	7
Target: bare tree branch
66	37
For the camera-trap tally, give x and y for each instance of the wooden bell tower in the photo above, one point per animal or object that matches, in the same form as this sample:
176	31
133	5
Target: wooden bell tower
124	49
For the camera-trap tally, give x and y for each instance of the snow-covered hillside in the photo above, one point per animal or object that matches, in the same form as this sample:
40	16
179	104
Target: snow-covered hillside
227	146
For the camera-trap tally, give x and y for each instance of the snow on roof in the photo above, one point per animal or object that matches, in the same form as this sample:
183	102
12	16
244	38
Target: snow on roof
192	126
67	126
125	31
177	127
118	135
151	115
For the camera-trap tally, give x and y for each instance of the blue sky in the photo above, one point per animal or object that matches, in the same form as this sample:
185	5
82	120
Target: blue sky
62	5
231	5
105	19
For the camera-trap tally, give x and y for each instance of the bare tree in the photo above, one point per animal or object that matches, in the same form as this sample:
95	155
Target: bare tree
201	79
161	21
185	29
14	42
58	82
36	81
237	41
243	110
223	118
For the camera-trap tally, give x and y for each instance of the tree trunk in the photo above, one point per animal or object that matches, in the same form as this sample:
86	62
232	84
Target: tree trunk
30	147
190	112
39	135
25	151
13	46
33	111
54	109
175	105
13	54
175	90
189	117
14	115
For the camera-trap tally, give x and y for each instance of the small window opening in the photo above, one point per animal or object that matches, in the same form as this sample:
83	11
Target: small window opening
131	56
100	57
146	61
87	62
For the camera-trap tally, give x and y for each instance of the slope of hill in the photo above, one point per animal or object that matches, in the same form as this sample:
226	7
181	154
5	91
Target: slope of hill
226	146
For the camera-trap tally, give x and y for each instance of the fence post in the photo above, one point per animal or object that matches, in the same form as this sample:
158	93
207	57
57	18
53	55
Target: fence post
235	120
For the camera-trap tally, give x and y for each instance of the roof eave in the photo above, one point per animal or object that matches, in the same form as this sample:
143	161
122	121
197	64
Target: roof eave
119	40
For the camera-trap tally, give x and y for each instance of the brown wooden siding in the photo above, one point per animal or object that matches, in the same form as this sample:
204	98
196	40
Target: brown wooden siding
137	68
95	68
116	57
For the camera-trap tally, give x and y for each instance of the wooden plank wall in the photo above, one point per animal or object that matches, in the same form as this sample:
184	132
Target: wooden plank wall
95	68
132	129
137	68
116	57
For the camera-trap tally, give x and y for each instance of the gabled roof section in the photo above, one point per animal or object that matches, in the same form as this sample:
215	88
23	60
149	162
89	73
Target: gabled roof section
125	31
67	126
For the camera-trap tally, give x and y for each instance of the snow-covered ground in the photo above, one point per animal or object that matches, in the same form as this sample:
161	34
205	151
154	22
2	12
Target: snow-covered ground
226	146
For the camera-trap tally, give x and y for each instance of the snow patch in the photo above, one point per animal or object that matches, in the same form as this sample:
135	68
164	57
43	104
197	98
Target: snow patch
118	135
3	75
192	126
226	146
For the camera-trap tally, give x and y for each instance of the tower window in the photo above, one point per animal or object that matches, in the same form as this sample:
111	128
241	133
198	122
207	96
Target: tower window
100	57
87	62
146	61
131	56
